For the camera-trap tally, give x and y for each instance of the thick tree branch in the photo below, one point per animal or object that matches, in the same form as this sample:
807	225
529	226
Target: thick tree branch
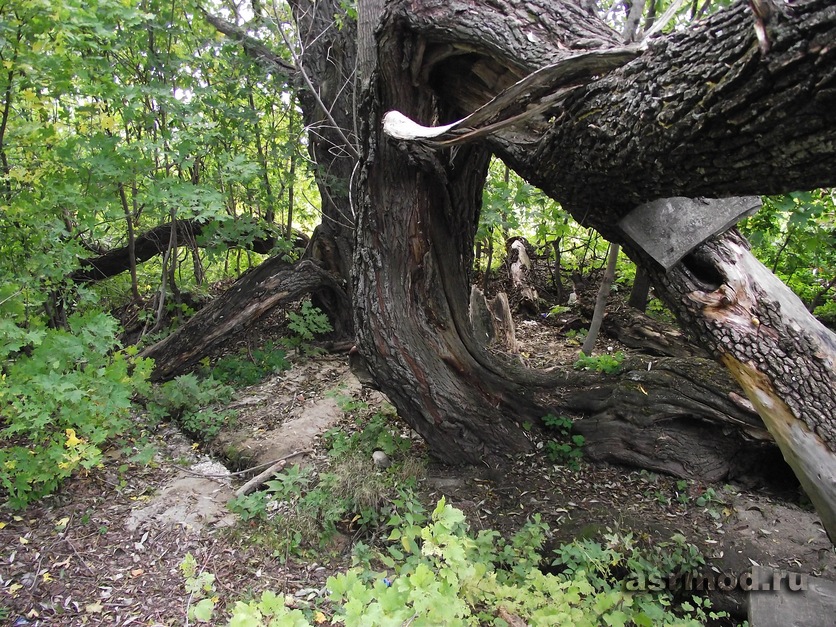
150	244
251	45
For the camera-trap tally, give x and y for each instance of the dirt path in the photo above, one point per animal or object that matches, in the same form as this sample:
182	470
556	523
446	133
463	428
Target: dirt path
107	549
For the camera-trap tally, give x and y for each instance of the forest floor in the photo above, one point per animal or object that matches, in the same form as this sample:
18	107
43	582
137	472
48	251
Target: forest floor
108	548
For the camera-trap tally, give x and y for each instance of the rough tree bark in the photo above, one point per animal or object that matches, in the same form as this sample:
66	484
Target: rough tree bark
712	111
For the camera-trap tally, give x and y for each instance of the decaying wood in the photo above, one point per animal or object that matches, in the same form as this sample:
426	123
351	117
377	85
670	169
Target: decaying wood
480	316
806	453
503	323
601	300
492	321
648	335
783	357
519	270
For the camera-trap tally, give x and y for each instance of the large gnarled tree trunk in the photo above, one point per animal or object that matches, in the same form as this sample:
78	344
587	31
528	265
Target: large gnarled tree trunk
715	110
706	112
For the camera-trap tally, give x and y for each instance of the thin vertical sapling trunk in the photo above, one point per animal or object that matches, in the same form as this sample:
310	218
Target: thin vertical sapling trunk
601	301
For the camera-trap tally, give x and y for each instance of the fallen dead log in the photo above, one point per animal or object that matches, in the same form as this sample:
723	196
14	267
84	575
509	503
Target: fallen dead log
255	293
155	242
647	335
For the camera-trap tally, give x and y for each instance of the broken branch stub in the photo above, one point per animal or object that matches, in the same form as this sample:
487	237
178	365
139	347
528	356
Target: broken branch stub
521	102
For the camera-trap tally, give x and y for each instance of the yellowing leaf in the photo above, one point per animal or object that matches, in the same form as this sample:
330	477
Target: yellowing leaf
23	540
12	589
2	524
46	577
109	123
94	608
72	440
63	522
319	618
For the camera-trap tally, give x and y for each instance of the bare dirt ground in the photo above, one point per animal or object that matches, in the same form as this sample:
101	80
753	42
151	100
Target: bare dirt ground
107	549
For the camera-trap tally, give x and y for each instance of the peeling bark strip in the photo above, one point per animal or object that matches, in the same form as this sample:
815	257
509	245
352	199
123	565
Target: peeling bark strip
520	103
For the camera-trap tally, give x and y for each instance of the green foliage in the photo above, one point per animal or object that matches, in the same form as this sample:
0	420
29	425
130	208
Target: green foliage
249	506
558	309
250	367
826	313
187	399
793	235
308	323
349	13
607	364
374	432
576	336
200	586
567	448
621	563
301	509
63	395
441	574
131	115
436	572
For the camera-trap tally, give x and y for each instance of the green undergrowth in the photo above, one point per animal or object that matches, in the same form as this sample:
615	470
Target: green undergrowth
411	566
68	394
64	395
434	570
194	403
247	367
606	364
565	448
305	325
304	511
